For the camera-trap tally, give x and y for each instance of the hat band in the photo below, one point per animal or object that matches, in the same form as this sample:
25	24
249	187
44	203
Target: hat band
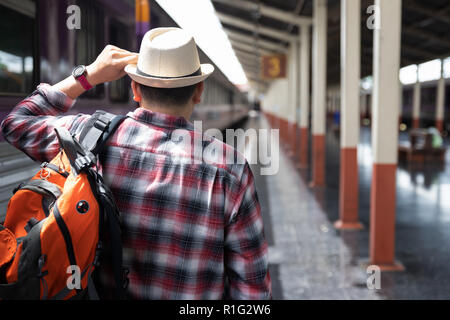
196	73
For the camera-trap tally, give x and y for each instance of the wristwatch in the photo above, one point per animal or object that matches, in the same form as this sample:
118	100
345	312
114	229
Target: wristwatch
79	73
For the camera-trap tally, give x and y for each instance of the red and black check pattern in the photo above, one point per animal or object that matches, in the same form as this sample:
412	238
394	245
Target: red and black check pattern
189	227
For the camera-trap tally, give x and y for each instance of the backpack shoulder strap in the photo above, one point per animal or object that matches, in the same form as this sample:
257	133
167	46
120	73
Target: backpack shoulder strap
93	138
98	129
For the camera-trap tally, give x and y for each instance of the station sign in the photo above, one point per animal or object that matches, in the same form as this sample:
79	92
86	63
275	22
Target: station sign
273	66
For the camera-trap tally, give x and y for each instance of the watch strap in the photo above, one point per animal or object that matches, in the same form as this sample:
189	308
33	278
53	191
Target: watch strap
84	83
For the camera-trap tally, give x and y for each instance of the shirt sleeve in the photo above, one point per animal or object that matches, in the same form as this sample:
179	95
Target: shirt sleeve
30	125
246	252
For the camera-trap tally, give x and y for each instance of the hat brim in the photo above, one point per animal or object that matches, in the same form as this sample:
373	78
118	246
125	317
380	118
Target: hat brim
206	70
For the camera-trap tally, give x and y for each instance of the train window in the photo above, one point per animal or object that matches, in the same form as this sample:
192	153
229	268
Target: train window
119	90
17	31
90	41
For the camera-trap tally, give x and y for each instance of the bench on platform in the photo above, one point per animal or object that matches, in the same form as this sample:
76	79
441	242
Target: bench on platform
420	149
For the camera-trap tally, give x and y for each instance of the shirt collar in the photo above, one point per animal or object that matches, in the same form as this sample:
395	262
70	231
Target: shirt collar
160	119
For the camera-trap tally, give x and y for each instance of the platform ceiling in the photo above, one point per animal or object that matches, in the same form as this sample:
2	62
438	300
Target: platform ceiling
425	29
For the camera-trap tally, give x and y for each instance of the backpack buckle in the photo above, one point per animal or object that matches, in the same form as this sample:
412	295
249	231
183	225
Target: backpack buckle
18	187
84	162
41	263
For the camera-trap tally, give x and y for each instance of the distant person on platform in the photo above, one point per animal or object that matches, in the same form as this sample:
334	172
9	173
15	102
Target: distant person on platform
190	230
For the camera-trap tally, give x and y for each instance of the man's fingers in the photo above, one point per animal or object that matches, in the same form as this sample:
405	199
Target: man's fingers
110	46
120	51
129	59
121	54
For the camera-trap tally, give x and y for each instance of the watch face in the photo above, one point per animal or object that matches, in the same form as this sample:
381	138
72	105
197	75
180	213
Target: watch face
78	71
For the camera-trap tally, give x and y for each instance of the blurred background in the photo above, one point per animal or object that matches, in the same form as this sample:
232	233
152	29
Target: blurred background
336	81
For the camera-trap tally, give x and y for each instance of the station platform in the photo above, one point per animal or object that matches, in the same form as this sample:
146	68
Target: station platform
310	259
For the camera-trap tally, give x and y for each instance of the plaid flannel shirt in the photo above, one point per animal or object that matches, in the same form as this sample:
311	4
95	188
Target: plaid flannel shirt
188	228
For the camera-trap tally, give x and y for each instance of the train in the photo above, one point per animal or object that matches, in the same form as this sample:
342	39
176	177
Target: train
37	46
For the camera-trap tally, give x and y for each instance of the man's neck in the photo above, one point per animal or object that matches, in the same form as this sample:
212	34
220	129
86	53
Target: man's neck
176	111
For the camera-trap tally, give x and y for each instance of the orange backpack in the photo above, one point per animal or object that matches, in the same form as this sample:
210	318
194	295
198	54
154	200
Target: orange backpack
57	223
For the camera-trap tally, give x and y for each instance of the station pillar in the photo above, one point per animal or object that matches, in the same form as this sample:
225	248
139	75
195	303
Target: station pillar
319	91
416	103
350	115
304	94
363	105
294	99
440	100
400	103
142	19
386	62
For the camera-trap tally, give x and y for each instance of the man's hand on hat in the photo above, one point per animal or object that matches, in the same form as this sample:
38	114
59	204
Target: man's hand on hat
110	64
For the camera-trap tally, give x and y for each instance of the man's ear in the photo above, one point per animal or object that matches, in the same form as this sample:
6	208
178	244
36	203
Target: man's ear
137	96
197	97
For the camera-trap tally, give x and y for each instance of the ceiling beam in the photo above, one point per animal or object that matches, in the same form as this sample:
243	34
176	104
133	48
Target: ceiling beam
247	54
427	35
252	72
250	60
239	37
243	24
253	68
268	11
439	14
251	63
426	55
253	60
250	48
298	9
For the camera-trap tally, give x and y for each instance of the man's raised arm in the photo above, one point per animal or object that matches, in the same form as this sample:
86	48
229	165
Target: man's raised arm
30	125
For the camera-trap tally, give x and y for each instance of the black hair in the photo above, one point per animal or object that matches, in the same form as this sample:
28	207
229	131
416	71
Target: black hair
168	96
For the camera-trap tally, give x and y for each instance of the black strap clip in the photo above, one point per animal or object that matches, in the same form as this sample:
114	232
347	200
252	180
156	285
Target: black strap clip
30	224
41	263
85	162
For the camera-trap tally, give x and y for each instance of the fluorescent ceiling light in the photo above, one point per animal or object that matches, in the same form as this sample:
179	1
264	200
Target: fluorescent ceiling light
408	74
199	18
447	67
430	70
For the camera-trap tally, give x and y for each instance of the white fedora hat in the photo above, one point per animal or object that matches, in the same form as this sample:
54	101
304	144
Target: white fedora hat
168	58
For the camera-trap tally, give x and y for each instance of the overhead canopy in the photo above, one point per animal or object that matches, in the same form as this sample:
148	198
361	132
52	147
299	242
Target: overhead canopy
425	28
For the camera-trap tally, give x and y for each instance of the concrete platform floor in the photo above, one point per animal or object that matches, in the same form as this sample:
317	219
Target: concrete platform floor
309	259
